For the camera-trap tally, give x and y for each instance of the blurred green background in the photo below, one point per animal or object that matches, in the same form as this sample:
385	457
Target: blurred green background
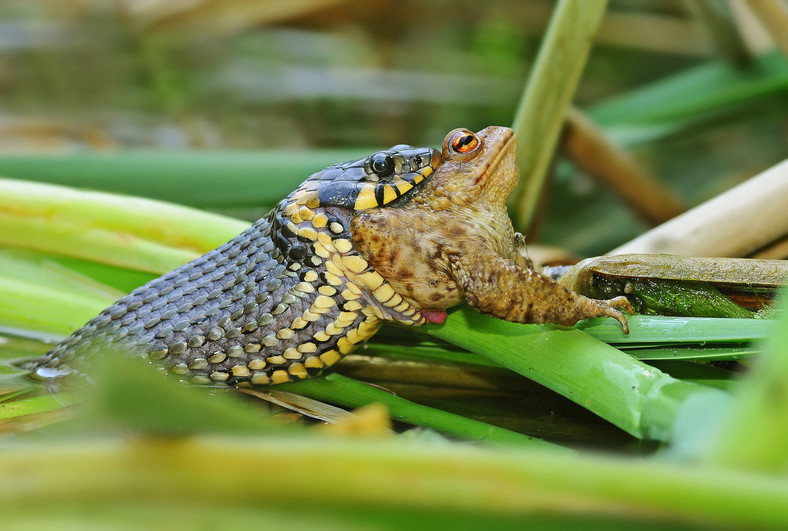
98	76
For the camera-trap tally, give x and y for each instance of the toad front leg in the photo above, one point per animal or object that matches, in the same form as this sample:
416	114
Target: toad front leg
495	286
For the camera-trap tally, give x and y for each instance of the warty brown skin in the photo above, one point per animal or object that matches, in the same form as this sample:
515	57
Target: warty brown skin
454	240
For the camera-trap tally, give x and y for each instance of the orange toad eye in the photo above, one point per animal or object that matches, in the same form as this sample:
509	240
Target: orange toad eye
464	142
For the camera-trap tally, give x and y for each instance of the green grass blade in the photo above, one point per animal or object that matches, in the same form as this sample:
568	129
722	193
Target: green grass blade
37	296
655	329
712	89
347	392
755	434
551	86
198	179
33	405
119	278
693	354
635	397
125	231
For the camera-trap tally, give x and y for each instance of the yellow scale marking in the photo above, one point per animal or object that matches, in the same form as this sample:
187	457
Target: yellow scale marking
256	364
285	333
384	292
352	305
308	233
332	279
321	301
240	370
353	287
332	329
321	336
280	376
298	369
313	201
353	263
314	362
349	295
305	287
394	301
345	319
321	251
310	316
326	241
305	213
371	280
319	221
261	378
403	186
307	348
299	323
344	345
342	245
389	194
327	290
333	268
366	198
330	357
292	354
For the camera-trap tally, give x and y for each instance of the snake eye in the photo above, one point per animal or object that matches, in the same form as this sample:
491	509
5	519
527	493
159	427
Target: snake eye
464	141
381	164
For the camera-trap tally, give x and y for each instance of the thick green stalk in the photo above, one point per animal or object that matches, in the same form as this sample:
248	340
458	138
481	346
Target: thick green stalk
551	86
310	472
624	391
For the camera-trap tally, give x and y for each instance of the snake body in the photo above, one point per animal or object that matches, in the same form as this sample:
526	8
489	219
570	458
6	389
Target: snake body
283	300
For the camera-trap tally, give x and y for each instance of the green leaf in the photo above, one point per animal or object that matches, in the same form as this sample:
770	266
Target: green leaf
689	97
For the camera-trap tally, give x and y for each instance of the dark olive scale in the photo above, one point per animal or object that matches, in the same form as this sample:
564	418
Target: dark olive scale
232	315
